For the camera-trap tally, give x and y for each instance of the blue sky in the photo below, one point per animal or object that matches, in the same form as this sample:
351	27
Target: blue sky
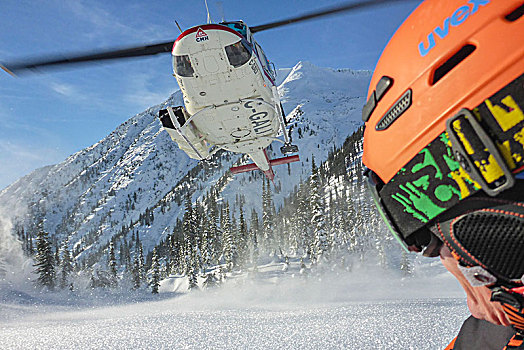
45	118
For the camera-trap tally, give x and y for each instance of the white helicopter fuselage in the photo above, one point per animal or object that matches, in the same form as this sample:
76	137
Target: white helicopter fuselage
229	93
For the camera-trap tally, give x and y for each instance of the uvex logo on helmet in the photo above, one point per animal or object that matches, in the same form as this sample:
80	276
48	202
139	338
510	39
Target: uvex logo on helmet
457	18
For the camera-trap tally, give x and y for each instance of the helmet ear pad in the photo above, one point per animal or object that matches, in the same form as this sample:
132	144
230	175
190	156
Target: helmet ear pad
491	236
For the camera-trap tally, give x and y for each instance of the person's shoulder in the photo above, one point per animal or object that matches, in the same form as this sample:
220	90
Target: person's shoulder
480	334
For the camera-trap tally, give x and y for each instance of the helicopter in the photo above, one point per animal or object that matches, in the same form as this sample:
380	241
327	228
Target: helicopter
230	97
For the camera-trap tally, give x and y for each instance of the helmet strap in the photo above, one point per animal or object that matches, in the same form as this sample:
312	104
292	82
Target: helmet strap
512	301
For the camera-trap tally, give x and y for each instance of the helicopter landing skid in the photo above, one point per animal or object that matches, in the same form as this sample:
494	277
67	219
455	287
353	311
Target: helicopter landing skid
288	149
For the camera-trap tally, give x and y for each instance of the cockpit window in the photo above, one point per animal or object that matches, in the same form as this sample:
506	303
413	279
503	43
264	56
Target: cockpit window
238	27
183	66
238	53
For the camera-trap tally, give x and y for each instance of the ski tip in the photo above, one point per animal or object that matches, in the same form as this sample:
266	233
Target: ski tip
7	70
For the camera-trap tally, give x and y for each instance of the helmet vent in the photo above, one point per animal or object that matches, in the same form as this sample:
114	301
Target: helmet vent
452	62
516	14
394	112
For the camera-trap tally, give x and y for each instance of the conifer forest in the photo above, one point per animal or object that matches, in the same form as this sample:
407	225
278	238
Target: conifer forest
327	222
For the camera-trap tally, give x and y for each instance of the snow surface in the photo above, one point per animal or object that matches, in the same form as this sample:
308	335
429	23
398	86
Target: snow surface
168	325
364	309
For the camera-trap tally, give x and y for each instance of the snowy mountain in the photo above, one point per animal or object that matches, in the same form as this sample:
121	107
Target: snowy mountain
137	177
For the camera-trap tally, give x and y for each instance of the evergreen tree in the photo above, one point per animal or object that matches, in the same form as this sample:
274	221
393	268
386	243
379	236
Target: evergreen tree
45	260
229	243
255	230
66	265
267	218
304	217
197	237
122	251
155	277
57	255
141	267
234	236
183	257
320	243
347	218
191	270
136	270
127	252
242	239
331	223
282	233
112	264
190	246
166	269
294	232
177	252
188	231
215	244
206	242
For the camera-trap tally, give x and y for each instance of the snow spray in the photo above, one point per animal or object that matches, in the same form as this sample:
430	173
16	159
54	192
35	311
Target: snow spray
15	267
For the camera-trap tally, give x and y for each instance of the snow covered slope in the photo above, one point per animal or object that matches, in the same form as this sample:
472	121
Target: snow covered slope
136	176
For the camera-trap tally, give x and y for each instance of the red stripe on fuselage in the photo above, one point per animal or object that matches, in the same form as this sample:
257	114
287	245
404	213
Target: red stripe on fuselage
204	28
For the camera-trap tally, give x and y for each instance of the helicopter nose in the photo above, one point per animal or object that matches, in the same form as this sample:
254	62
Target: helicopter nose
210	64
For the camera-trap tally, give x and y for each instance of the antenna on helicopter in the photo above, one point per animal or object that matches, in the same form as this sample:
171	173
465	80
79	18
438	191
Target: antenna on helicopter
208	15
178	26
221	10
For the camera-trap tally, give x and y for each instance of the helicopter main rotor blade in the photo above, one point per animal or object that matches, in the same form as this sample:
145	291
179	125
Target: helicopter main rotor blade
85	58
345	7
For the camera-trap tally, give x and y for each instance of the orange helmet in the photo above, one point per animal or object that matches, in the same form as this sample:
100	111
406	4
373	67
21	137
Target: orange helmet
450	55
444	135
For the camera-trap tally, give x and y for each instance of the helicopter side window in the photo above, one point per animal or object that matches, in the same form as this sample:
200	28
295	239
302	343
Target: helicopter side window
238	53
264	61
183	66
